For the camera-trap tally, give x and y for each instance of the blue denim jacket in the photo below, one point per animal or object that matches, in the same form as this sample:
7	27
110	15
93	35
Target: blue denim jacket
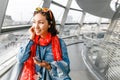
60	69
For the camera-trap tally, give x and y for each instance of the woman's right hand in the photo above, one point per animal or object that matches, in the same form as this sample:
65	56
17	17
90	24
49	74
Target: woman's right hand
42	63
32	32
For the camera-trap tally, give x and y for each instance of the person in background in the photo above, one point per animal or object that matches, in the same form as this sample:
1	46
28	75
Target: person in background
45	57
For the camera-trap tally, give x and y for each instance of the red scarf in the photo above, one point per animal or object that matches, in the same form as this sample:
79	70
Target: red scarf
28	72
56	50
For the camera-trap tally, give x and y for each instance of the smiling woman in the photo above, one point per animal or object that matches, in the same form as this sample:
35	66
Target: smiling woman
45	57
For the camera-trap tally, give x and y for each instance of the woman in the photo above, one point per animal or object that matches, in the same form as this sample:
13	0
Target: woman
45	57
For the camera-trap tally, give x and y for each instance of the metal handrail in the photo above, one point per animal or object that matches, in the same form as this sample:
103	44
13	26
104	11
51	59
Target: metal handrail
92	68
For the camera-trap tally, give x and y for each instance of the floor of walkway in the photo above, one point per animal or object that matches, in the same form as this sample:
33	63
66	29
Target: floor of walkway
78	69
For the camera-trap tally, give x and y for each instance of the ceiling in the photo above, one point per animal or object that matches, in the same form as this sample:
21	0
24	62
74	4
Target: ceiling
99	8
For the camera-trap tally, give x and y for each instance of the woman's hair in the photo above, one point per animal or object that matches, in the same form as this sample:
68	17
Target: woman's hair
49	17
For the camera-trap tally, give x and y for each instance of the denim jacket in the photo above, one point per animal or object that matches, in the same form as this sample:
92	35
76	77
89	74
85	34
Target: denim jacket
60	69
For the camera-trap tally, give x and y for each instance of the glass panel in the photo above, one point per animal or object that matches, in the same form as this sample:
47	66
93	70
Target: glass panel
70	30
105	20
104	24
62	2
58	12
91	18
10	44
20	11
75	5
73	16
58	27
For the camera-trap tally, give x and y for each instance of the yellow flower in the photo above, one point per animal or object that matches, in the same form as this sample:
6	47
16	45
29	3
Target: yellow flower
38	9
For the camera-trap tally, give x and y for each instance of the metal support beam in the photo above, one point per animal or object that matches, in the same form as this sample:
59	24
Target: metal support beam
112	25
3	7
82	18
47	3
64	17
81	22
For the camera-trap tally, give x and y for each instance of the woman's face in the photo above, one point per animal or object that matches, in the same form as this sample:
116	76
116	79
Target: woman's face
40	25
